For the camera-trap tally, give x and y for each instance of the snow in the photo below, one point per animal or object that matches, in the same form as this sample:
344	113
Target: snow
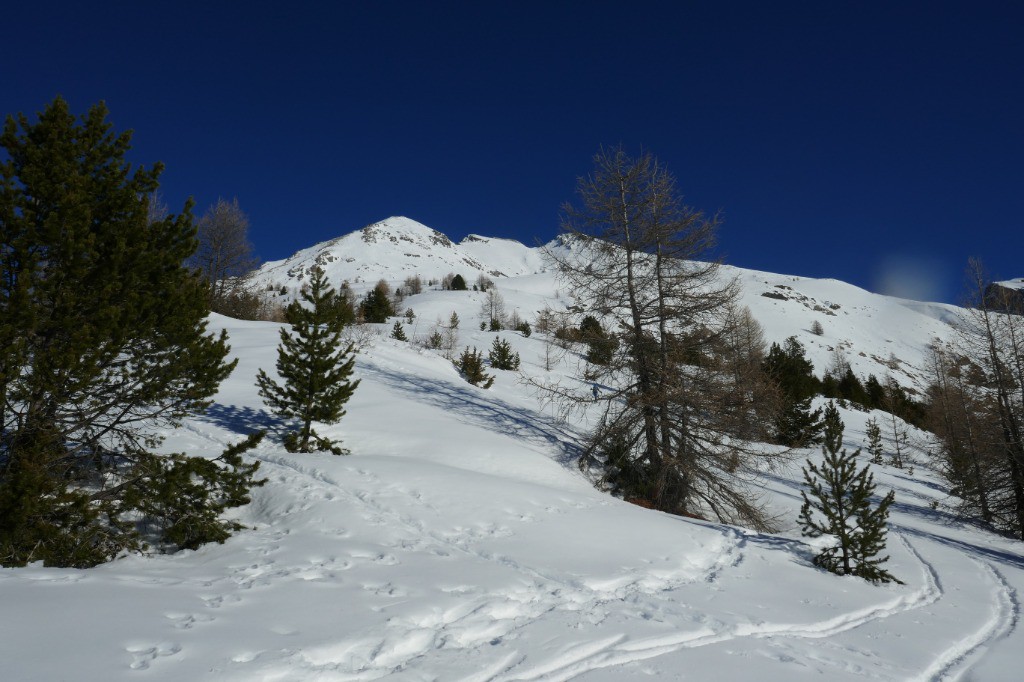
459	541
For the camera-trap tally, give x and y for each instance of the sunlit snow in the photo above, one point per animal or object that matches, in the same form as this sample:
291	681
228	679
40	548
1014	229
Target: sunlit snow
459	541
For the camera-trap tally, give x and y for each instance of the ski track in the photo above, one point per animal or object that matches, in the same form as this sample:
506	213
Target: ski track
489	619
956	661
486	619
614	653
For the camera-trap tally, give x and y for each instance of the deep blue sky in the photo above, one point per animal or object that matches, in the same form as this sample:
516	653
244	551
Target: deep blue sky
837	139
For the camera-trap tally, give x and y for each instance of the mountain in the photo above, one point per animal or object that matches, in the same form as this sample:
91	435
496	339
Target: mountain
874	334
394	249
460	540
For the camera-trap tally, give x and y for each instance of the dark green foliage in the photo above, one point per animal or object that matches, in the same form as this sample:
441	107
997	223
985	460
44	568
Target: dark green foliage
435	340
316	373
495	324
874	434
829	386
842	496
483	325
103	345
791	370
376	307
458	283
502	356
524	328
589	326
601	346
344	306
471	364
398	333
851	389
625	475
798	426
875	393
190	493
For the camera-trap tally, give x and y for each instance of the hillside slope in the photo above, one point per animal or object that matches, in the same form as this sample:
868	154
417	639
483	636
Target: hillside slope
459	541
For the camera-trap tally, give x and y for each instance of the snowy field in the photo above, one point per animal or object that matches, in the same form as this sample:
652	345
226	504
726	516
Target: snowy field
459	541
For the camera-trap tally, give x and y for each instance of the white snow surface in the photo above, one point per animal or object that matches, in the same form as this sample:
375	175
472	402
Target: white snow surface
397	248
459	541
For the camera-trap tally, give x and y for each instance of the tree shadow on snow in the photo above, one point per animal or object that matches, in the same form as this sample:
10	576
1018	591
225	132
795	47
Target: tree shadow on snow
495	414
980	551
244	420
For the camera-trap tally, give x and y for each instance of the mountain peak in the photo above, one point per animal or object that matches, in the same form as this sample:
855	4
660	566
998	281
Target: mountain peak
396	248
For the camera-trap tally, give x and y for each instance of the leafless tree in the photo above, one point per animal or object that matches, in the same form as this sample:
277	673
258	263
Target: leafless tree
413	285
225	254
679	407
493	308
977	399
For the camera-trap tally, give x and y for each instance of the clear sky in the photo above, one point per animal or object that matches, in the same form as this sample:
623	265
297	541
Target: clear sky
838	139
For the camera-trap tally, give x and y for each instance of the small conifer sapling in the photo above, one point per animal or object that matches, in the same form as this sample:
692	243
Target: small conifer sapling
874	433
839	505
315	370
502	356
471	365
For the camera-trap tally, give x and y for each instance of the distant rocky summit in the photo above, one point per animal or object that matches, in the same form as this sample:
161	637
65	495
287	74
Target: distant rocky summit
1006	296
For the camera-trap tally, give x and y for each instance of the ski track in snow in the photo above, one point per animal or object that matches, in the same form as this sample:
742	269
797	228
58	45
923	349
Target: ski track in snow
616	652
486	619
955	662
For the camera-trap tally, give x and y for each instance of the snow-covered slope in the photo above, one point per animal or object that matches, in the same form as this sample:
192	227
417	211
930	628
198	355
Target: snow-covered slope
394	249
875	334
459	541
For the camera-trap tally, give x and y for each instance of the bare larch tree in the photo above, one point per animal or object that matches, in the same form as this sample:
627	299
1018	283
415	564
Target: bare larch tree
684	395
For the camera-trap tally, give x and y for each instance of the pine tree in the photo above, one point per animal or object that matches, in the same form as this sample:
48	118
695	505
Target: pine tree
316	374
874	433
798	426
398	333
103	346
792	370
842	495
502	356
471	364
376	307
458	283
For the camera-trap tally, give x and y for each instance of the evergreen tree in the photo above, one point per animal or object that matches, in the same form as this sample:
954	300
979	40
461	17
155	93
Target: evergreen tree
471	364
103	346
316	375
798	426
851	389
458	283
502	356
875	392
376	307
791	369
874	433
398	333
601	346
842	495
